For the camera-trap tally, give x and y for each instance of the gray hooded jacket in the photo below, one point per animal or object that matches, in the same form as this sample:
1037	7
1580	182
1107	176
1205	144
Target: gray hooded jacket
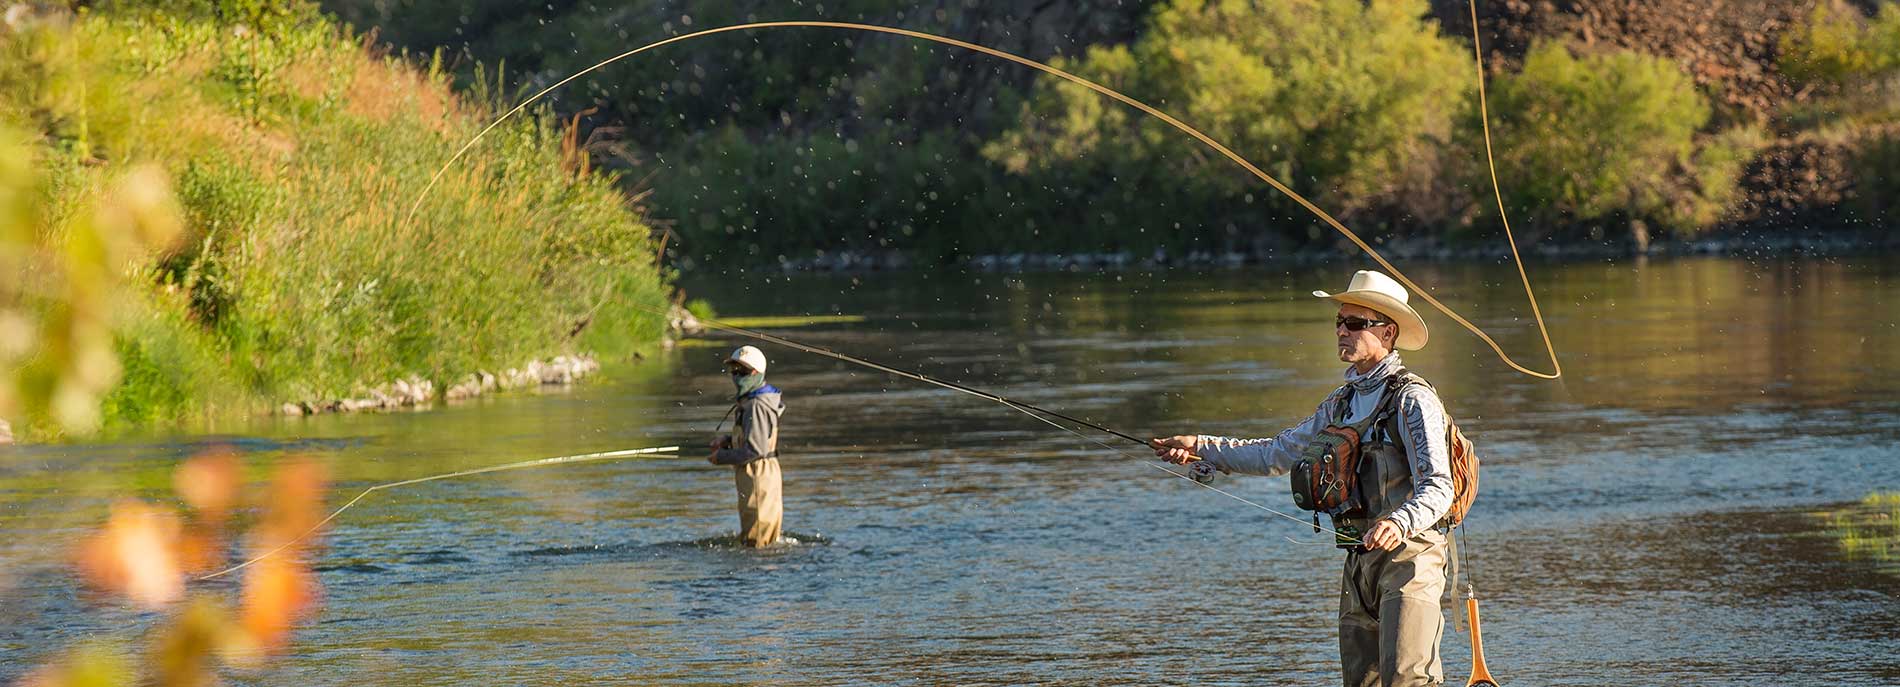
756	429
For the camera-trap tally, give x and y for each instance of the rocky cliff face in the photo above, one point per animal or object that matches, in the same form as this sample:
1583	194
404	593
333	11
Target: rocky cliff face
1728	46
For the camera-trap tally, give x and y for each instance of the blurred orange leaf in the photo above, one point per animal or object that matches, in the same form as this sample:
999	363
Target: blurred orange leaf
200	550
277	592
209	483
136	554
295	501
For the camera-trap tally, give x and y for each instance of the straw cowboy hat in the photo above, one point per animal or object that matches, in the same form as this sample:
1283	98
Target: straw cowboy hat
1379	292
752	358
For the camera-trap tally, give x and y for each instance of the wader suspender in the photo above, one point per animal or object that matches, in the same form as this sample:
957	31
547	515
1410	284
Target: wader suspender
724	418
1454	566
729	412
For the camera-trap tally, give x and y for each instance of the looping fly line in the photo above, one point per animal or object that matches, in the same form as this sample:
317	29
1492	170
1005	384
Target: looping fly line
561	460
1557	370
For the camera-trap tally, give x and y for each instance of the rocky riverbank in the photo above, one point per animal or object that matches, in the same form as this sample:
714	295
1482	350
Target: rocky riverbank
1737	243
416	392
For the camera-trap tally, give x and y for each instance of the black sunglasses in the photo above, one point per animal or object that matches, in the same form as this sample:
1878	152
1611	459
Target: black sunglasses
1353	324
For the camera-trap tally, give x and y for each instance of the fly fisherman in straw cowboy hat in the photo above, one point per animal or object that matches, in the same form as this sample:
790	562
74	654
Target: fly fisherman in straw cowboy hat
752	449
1389	618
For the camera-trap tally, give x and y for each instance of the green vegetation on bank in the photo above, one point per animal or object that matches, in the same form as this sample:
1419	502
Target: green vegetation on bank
294	156
803	141
1839	46
1608	135
1272	83
1854	62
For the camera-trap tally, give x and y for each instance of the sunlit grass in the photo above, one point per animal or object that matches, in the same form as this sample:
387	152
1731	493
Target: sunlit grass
1870	529
296	155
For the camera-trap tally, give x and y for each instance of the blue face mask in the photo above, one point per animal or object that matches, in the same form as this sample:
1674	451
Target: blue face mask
747	383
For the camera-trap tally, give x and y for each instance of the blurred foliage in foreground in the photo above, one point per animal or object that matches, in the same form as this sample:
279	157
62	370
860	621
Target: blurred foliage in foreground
152	556
208	202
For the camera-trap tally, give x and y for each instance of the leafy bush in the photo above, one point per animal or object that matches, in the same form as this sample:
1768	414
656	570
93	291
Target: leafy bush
1345	101
1878	187
1584	138
1837	44
1092	174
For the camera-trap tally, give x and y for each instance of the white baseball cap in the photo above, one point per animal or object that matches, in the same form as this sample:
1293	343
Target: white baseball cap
749	357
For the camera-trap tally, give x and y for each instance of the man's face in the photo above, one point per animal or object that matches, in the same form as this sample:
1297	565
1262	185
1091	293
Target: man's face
1367	344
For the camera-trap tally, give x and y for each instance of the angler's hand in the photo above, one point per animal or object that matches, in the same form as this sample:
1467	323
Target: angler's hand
1384	536
1177	449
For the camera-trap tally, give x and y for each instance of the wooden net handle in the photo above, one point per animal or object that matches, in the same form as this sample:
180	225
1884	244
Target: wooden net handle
1479	674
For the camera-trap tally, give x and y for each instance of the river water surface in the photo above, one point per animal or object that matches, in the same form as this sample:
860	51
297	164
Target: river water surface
1657	517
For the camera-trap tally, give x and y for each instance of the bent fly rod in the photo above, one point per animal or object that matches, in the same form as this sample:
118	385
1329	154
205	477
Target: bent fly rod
917	376
1040	413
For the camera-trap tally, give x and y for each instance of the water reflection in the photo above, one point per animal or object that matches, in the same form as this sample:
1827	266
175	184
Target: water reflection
1649	519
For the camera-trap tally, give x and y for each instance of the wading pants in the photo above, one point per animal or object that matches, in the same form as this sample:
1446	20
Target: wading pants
761	509
1389	618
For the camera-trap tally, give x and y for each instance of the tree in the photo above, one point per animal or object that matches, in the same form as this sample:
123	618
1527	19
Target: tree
1586	138
1348	102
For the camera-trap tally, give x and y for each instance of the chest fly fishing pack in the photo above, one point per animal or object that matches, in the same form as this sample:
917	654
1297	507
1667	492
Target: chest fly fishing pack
1326	478
1331	476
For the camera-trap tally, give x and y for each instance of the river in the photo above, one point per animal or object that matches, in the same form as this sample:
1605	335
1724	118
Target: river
1653	518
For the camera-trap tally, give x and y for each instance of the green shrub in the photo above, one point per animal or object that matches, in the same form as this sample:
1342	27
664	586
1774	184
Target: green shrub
171	370
1877	187
1852	63
1586	138
1343	100
1837	44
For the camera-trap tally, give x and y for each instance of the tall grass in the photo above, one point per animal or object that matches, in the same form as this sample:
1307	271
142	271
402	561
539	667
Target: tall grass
296	155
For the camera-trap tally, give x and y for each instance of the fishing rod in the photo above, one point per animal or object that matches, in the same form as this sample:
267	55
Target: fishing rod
1041	414
918	376
1207	140
560	460
1556	367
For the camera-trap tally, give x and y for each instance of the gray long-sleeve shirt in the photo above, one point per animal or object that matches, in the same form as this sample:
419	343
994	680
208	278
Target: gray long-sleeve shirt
756	434
1421	417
